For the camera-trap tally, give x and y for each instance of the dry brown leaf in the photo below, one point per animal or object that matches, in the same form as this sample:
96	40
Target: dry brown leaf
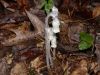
23	34
81	69
37	63
3	67
19	69
96	11
9	58
23	3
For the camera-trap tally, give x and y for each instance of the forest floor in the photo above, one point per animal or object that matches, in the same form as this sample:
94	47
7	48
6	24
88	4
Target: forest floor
22	43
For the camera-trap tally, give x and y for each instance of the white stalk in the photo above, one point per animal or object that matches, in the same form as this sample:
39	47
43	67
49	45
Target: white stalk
50	34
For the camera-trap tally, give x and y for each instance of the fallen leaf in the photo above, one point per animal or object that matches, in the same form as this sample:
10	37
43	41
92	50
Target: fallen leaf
96	11
19	69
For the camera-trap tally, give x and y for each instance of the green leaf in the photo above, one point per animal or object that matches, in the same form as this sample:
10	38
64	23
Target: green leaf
48	6
86	41
83	45
86	37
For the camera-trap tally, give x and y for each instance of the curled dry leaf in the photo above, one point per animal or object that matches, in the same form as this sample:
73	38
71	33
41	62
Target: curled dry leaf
36	22
20	35
23	33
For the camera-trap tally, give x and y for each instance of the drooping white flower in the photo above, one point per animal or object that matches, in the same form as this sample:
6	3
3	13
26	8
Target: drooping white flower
51	37
56	24
54	42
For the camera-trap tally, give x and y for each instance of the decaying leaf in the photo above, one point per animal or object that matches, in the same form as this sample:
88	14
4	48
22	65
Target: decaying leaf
9	58
22	33
96	12
19	69
82	69
22	37
37	63
3	67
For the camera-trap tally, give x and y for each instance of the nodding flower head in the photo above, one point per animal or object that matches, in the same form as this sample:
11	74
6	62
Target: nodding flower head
54	9
56	24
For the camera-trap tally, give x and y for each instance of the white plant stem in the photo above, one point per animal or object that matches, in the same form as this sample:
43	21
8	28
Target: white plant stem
50	37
